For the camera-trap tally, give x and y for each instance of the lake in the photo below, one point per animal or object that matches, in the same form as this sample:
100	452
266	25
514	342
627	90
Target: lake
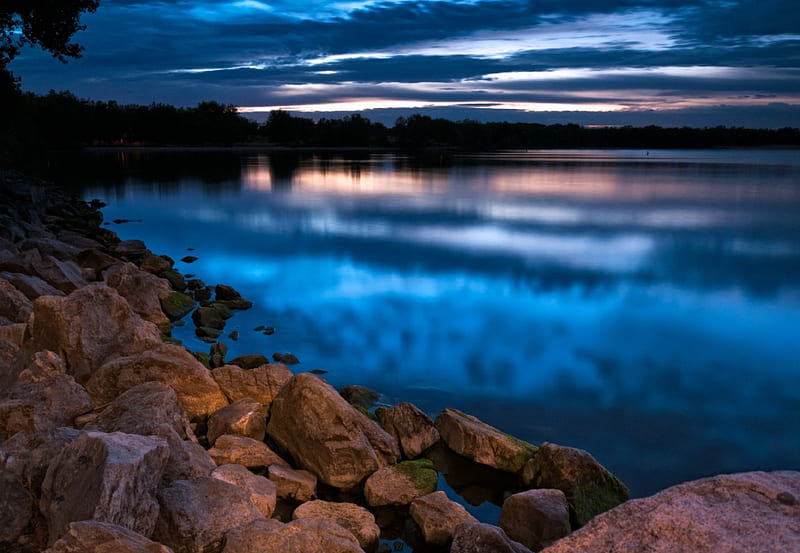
644	306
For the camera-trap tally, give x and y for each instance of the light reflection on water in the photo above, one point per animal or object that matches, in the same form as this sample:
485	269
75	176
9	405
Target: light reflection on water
642	306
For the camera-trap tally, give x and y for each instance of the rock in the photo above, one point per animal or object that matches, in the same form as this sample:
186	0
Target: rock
31	286
249	361
590	489
207	334
175	279
142	290
10	365
244	451
197	391
222	309
359	521
470	537
177	305
482	443
304	535
326	435
208	317
360	396
97	261
295	485
14	305
285	358
189	259
78	240
50	246
63	275
226	293
202	295
217	354
261	383
412	428
438	517
238	304
14	333
142	410
262	492
736	513
155	264
536	518
195	284
91	536
106	477
400	484
132	250
16	509
89	327
245	417
195	515
187	459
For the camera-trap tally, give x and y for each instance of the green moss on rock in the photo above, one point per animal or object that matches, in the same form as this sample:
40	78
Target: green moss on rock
177	305
421	474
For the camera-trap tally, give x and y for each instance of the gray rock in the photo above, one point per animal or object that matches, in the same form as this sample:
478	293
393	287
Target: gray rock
261	383
305	535
437	517
142	290
294	485
245	417
50	246
483	538
536	518
31	286
412	428
261	491
10	363
14	333
244	451
14	305
359	521
63	275
91	536
400	484
16	509
26	456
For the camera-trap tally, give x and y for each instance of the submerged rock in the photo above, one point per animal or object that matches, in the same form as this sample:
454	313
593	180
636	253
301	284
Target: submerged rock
360	396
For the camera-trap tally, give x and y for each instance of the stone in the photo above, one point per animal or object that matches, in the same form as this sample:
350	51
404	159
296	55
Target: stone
244	451
589	487
262	492
294	485
26	456
326	435
226	293
249	361
142	290
187	459
97	261
175	279
106	477
14	333
261	383
16	509
400	484
88	328
177	305
359	521
63	275
437	517
197	391
10	364
207	334
304	535
50	246
360	396
217	354
196	514
244	417
155	264
78	240
91	536
734	513
222	309
476	440
285	358
131	249
31	286
413	429
470	537
208	317
14	305
535	518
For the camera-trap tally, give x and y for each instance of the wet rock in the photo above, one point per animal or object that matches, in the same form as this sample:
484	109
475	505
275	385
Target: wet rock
78	240
222	309
226	293
536	518
295	485
133	250
305	535
285	358
195	284
14	305
244	451
62	275
89	327
142	290
97	261
91	536
400	484
245	417
238	304
360	396
261	383
736	513
359	521
438	517
106	477
175	279
208	317
177	305
249	361
412	428
217	354
483	538
195	515
156	264
197	391
50	246
31	286
476	440
262	492
326	435
16	510
589	487
189	259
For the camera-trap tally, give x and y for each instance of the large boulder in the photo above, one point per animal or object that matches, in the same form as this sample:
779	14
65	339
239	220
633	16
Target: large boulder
359	521
62	275
106	477
14	305
241	450
437	517
472	537
412	428
177	305
31	286
535	518
261	383
476	440
400	484
294	485
14	333
589	487
88	328
749	512
187	459
245	417
196	514
144	291
91	536
197	392
262	492
26	456
304	535
50	246
327	435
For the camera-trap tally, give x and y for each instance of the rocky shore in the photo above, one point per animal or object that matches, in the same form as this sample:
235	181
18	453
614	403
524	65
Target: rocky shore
114	437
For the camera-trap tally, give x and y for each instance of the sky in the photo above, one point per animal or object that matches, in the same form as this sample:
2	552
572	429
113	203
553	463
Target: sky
590	62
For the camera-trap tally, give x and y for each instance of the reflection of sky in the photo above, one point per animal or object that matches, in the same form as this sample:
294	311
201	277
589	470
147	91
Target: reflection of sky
619	308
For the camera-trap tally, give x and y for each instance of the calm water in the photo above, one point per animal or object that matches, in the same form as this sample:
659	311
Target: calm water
642	306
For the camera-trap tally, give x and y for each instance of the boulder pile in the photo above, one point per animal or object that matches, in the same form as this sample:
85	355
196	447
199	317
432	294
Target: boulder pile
113	437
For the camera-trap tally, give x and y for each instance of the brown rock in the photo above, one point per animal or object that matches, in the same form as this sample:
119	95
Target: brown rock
305	535
187	459
244	451
295	485
438	517
261	383
97	261
400	484
155	264
261	491
476	440
77	240
50	246
536	518
106	477
14	306
14	333
31	286
177	305
249	361
26	456
483	538
91	536
245	417
412	428
226	293
360	396
10	364
359	521
590	488
142	290
131	249
326	435
16	509
736	513
63	275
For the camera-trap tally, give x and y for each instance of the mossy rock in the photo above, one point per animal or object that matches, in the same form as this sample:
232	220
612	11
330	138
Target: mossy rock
421	473
177	305
203	357
175	279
